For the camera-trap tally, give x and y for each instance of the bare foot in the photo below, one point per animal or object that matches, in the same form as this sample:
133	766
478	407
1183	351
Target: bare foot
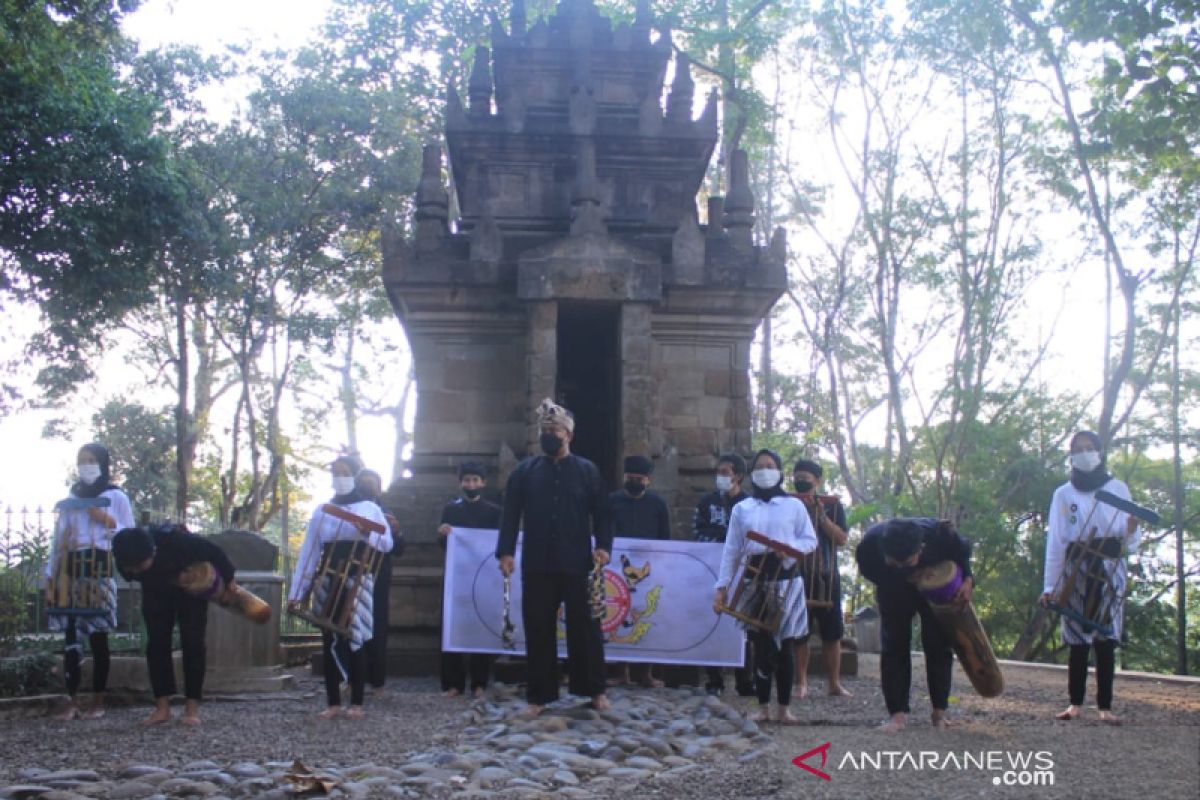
66	715
94	713
1072	712
531	711
838	691
897	723
802	691
1109	718
480	693
762	715
786	717
158	717
651	683
192	719
332	712
938	720
600	702
355	712
451	693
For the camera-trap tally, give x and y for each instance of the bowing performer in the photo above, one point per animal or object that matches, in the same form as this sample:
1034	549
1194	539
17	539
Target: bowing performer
81	551
889	554
783	519
157	557
1076	515
330	540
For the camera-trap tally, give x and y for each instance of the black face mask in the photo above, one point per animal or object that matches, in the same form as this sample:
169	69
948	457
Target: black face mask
470	494
550	443
803	487
635	488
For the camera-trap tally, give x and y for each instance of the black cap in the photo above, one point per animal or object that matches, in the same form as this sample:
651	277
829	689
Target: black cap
639	465
472	468
132	546
809	466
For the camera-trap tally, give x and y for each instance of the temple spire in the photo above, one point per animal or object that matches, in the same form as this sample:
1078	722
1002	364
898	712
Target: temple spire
479	86
683	89
739	202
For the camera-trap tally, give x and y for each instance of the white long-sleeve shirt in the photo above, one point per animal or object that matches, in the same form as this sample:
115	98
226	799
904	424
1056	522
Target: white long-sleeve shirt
1072	518
783	519
325	528
75	530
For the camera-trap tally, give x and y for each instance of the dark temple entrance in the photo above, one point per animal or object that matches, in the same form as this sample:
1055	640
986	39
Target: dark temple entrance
589	374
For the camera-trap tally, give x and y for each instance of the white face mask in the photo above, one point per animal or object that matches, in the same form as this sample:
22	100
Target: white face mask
1087	461
765	478
89	473
724	483
342	485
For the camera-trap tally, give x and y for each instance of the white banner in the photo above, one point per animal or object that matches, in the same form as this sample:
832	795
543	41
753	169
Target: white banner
658	602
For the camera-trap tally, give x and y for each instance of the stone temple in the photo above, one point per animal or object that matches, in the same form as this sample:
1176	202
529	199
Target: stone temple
575	267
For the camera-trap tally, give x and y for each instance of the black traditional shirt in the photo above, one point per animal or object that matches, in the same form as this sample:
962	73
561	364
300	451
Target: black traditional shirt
941	542
174	551
645	517
562	506
463	513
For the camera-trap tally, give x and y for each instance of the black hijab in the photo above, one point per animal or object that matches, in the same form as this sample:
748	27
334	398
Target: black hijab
354	495
1090	481
101	484
775	491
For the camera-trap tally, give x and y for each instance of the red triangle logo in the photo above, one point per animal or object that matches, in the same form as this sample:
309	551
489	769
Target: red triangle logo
800	759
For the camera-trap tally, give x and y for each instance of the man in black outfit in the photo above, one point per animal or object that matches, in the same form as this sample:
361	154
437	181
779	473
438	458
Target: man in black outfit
369	484
888	556
710	524
561	503
832	532
468	510
156	557
639	513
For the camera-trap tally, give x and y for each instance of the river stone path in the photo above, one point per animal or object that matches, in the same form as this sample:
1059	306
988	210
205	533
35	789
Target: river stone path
673	744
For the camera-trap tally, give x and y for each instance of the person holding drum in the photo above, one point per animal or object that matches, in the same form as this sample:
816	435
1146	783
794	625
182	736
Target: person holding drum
80	553
890	555
829	519
782	518
157	557
330	542
1078	518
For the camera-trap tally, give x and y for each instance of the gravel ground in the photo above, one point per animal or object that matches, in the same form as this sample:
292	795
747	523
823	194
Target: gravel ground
1155	754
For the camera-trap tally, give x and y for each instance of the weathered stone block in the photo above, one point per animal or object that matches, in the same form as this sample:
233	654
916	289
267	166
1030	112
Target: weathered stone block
717	382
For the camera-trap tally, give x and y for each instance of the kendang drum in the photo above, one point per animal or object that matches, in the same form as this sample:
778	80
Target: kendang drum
939	584
819	568
1089	588
345	574
80	584
202	580
760	588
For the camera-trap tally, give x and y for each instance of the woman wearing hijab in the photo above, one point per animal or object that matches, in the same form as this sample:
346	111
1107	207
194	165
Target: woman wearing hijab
331	537
83	539
777	515
1076	515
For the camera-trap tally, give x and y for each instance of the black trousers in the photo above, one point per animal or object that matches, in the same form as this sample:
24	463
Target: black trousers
73	657
1106	665
377	647
542	594
455	667
743	677
162	608
355	663
897	607
771	660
